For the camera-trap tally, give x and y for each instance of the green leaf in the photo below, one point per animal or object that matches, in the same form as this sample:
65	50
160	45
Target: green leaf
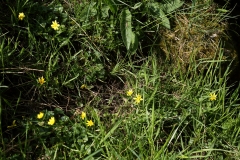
88	12
112	5
137	5
105	10
64	118
222	10
129	37
58	8
171	5
134	43
156	11
165	20
58	111
126	27
64	42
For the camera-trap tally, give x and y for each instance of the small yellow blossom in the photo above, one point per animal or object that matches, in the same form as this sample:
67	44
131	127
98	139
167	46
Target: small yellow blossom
40	115
51	121
212	96
90	123
13	124
83	86
138	98
41	80
83	115
21	16
55	25
129	92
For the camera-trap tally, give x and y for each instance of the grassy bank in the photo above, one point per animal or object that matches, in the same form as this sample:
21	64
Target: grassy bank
117	80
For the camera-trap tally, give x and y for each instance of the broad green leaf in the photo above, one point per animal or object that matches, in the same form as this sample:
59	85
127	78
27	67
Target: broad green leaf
165	20
105	10
58	8
112	5
88	12
171	5
154	8
126	27
58	111
134	43
156	11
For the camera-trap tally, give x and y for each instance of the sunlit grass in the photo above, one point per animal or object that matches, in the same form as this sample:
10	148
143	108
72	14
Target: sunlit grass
74	87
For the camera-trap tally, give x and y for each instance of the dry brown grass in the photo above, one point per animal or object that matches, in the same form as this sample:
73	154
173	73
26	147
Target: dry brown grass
196	36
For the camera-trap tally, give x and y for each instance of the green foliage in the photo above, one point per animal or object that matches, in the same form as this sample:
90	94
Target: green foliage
129	37
156	12
49	50
53	141
91	14
100	51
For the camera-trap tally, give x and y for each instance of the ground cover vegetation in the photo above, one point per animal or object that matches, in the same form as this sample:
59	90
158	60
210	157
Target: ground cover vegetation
117	79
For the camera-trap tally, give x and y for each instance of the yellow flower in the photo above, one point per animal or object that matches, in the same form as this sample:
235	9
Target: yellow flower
83	86
83	115
212	96
138	98
55	25
13	124
51	121
90	123
129	92
21	16
41	80
40	115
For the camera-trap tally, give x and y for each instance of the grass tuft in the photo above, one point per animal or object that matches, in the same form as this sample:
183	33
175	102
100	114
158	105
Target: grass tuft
117	80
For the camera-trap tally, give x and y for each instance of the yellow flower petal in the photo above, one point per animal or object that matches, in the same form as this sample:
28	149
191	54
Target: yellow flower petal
51	121
83	115
41	80
129	92
21	16
212	97
40	115
138	99
83	86
90	123
55	25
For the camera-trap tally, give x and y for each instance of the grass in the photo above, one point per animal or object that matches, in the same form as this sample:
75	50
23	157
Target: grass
100	51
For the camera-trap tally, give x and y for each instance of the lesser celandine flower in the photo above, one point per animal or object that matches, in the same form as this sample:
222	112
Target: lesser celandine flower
55	25
13	124
40	115
21	16
41	80
83	115
212	97
138	99
83	86
129	92
51	121
90	123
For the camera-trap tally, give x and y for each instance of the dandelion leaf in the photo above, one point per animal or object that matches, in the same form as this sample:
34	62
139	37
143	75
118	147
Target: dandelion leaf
171	5
112	5
134	43
156	11
126	28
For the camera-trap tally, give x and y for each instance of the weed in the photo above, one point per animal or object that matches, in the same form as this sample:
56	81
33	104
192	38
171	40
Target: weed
116	80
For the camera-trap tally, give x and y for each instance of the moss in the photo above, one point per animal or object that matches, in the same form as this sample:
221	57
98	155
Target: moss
197	35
